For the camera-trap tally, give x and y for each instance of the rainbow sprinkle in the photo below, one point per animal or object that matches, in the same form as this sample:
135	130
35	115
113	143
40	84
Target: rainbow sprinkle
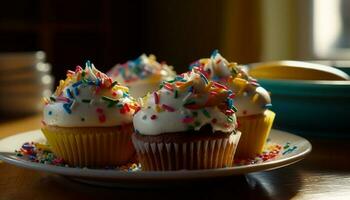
141	68
228	74
68	91
168	108
38	153
271	151
41	153
187	120
156	97
191	86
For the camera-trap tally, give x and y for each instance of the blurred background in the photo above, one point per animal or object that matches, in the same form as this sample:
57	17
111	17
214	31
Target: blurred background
108	32
178	32
67	33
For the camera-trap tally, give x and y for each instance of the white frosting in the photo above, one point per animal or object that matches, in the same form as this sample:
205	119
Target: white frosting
245	104
86	104
140	73
250	99
141	87
173	121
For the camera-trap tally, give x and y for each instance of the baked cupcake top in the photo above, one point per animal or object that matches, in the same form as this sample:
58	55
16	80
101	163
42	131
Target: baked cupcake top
144	68
89	98
251	98
186	103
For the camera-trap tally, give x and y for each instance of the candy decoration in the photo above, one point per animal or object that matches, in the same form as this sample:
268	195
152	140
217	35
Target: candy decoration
144	67
168	108
215	52
268	105
86	100
206	113
68	92
197	95
168	86
255	97
187	120
176	94
76	91
156	97
66	107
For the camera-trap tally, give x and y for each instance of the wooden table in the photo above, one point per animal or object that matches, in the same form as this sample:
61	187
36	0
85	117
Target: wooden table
325	174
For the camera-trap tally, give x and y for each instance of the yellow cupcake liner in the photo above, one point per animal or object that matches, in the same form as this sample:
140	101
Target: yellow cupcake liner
255	131
91	146
202	154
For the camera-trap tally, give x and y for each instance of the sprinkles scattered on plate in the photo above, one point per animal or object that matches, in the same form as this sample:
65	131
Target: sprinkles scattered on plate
272	151
41	153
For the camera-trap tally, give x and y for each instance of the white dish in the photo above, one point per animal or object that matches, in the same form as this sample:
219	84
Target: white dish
115	177
24	85
18	60
26	76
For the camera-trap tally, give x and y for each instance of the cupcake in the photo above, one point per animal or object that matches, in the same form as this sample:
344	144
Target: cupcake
142	75
189	123
252	102
88	120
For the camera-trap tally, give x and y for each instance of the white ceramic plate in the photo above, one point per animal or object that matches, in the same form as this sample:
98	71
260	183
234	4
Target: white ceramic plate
100	176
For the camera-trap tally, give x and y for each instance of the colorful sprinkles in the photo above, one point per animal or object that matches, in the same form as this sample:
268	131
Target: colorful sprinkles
287	148
68	93
156	97
141	68
41	153
168	108
271	151
191	86
229	74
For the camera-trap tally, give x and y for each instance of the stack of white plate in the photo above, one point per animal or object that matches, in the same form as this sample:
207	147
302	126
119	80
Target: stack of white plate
24	80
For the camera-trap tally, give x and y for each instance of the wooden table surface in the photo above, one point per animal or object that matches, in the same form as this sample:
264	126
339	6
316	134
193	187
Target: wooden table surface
324	174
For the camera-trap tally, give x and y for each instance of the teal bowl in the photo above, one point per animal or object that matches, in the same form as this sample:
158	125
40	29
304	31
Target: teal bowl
311	108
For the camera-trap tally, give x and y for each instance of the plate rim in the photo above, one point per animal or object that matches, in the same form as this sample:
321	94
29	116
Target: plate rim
10	158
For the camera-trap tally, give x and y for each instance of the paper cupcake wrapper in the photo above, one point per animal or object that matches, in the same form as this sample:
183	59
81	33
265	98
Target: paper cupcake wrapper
92	147
255	131
202	154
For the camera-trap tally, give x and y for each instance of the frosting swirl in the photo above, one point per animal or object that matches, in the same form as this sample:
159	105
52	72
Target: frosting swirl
143	68
142	75
250	99
188	102
89	98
